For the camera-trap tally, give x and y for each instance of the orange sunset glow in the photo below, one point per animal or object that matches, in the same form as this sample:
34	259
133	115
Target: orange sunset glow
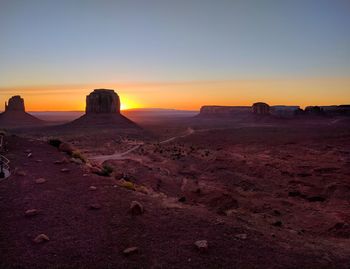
190	95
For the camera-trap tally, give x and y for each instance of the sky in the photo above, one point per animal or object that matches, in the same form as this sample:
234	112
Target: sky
175	53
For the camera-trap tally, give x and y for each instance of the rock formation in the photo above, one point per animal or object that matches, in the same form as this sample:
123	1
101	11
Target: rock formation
284	111
15	115
102	101
261	108
15	103
102	112
314	111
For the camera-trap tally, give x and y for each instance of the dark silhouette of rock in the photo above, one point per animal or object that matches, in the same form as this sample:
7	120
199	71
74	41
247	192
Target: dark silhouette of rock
261	108
284	111
102	112
15	103
102	101
15	115
314	110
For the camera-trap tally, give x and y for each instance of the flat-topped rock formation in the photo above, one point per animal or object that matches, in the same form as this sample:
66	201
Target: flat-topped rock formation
261	108
15	115
102	101
103	112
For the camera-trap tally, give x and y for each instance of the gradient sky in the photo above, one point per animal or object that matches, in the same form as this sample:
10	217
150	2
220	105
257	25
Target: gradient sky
175	53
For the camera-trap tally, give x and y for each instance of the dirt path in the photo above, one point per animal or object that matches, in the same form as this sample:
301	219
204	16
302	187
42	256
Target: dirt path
122	155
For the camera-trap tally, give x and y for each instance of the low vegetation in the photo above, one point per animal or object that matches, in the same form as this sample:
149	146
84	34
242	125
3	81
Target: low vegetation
55	142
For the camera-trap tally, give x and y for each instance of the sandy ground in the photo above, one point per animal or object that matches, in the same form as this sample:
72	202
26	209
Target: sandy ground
262	198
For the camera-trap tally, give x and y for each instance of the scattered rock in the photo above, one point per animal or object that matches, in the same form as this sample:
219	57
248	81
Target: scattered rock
29	155
21	173
59	162
76	161
126	184
67	148
31	213
39	161
40	180
95	206
202	245
316	199
65	170
92	188
241	236
95	170
182	199
130	250
41	238
277	223
136	208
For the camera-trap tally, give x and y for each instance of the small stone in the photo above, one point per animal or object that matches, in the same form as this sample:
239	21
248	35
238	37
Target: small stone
31	213
277	223
21	173
85	175
182	199
41	238
39	161
92	188
29	155
28	151
59	162
95	206
40	180
202	245
136	208
131	250
76	161
241	236
65	170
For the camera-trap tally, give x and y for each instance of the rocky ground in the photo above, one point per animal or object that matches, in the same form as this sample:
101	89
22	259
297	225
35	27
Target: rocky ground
254	197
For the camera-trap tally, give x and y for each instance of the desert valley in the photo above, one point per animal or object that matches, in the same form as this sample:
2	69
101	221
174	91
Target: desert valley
175	134
227	187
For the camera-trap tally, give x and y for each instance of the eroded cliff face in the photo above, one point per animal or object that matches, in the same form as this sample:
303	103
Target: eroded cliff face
102	101
15	103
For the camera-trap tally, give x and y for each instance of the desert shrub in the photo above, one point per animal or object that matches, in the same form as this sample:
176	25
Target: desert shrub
55	142
78	155
106	170
126	184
